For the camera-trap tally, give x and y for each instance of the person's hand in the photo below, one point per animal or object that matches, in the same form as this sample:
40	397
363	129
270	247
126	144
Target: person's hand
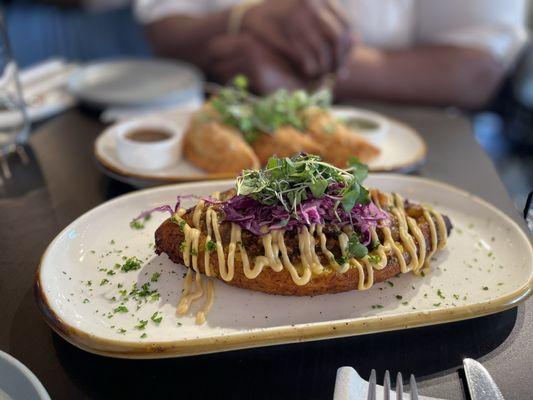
311	34
266	71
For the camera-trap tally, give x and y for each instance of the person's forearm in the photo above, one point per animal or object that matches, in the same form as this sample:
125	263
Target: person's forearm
186	37
437	75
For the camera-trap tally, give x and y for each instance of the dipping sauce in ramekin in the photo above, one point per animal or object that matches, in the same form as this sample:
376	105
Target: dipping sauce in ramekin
148	144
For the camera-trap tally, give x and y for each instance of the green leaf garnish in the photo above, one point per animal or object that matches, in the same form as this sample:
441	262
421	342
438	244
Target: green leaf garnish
251	115
289	181
210	246
156	317
355	248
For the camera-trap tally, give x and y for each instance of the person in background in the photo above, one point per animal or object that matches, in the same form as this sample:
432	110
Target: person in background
76	30
436	52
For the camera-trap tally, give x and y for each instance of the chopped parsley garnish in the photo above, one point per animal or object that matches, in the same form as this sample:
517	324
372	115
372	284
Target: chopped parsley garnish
137	224
374	258
436	304
210	246
142	324
110	272
142	294
157	317
485	288
155	277
439	293
122	331
342	260
131	264
182	225
182	246
112	241
89	283
104	282
143	335
390	283
194	252
121	309
399	297
85	301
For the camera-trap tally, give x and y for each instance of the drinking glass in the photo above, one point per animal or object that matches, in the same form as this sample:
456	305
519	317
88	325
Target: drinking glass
14	123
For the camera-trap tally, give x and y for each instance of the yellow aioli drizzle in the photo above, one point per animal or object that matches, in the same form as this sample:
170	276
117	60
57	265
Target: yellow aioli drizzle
329	255
309	258
407	240
432	236
188	296
276	255
200	315
190	253
197	214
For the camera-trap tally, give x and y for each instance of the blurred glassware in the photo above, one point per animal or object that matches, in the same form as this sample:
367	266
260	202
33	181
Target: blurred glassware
13	136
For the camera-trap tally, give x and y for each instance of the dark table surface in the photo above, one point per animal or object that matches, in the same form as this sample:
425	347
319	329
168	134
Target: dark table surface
62	181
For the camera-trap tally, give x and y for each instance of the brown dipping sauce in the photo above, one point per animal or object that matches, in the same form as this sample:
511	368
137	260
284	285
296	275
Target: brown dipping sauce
148	135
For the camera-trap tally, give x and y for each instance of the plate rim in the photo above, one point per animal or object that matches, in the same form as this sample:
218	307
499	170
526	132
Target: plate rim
283	334
27	373
74	89
417	160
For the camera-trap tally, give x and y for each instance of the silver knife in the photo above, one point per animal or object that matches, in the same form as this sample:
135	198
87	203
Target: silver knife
480	384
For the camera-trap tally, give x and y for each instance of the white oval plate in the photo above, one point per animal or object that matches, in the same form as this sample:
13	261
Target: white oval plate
402	150
486	250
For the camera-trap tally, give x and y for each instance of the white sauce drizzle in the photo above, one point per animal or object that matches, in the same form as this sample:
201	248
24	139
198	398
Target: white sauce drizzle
276	255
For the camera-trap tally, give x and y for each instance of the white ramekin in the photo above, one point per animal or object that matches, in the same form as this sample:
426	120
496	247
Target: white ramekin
148	156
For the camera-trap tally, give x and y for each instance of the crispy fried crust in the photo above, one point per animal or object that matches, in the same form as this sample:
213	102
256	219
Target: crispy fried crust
215	147
338	142
285	142
168	238
219	148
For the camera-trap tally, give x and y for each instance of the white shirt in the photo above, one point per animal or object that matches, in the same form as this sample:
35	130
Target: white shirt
496	26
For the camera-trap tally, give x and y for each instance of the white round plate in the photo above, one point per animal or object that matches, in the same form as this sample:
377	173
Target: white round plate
487	267
130	82
374	135
402	150
18	382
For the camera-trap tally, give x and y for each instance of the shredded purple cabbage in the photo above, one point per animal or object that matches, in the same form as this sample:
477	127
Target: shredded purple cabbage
260	219
172	210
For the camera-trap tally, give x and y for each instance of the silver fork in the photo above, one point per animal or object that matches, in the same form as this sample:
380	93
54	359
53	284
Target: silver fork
386	386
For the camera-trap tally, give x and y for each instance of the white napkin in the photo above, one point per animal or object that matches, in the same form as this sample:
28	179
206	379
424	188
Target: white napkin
43	88
350	386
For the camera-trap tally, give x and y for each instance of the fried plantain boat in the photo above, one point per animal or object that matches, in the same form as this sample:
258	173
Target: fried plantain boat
299	227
